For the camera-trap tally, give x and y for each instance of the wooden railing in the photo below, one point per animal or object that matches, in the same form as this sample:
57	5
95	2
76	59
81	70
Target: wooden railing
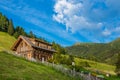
24	52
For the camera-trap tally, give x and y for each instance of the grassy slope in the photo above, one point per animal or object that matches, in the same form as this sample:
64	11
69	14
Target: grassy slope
104	68
6	41
14	68
97	66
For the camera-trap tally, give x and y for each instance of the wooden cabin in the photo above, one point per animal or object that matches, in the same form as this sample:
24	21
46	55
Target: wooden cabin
33	48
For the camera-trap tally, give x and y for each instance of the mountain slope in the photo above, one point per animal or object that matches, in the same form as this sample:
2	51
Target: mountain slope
102	52
14	68
6	41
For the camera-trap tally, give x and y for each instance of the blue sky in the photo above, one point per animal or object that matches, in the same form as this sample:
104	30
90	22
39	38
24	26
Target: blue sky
66	21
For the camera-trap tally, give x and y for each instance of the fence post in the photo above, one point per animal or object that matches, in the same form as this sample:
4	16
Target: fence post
42	59
89	76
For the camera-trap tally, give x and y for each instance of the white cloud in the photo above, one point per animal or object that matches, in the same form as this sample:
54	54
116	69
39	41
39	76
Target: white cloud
106	32
117	29
70	14
96	20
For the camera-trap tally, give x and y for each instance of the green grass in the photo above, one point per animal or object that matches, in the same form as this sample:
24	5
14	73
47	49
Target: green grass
95	66
6	41
113	78
15	68
105	68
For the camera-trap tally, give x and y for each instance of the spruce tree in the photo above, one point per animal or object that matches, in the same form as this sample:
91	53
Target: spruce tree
19	31
10	28
31	34
3	23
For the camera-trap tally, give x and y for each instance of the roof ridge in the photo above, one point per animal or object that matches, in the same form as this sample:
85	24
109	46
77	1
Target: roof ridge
36	39
27	39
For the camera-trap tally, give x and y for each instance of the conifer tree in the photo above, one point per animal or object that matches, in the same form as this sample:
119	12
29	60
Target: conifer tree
3	23
31	34
19	31
10	28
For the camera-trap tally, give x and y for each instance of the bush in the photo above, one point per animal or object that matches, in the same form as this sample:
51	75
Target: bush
79	68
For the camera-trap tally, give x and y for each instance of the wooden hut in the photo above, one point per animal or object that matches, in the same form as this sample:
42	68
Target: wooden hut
33	48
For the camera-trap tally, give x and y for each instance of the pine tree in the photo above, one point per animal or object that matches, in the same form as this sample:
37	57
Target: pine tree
16	34
19	31
10	28
3	23
31	34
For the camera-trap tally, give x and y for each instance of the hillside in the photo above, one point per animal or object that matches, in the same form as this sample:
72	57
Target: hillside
14	68
6	41
102	52
105	68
